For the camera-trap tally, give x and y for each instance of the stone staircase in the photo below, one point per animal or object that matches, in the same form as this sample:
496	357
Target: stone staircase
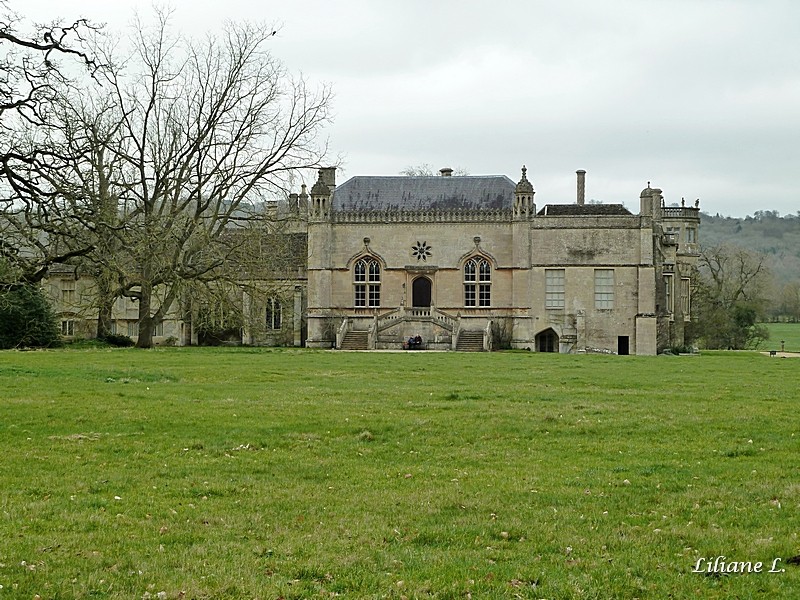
355	340
469	341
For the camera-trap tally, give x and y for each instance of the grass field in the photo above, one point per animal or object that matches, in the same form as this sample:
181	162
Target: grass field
788	332
250	473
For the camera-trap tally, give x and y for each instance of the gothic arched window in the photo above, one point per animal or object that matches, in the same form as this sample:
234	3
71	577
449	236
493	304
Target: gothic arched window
477	282
367	283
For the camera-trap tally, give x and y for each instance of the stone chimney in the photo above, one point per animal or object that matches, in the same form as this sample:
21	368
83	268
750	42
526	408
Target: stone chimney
581	186
302	200
446	172
328	176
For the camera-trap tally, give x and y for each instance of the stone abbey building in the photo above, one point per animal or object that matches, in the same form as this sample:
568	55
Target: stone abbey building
469	262
464	262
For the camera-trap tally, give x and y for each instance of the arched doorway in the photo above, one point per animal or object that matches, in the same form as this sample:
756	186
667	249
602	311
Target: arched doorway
421	292
547	341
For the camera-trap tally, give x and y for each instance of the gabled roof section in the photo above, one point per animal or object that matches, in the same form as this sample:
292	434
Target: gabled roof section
63	269
581	210
373	193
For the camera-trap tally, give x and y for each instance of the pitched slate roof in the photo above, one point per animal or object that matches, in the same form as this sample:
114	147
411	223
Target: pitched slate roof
366	193
558	210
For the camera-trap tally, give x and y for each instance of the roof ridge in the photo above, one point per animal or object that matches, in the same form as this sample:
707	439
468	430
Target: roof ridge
379	192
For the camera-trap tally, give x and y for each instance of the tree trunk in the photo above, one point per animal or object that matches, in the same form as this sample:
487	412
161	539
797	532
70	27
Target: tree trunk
146	329
146	323
105	308
104	317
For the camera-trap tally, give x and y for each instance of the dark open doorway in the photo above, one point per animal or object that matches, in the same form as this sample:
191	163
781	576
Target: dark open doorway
547	341
623	345
421	292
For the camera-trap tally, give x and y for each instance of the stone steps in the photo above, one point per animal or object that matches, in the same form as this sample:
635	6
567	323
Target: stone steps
355	340
469	341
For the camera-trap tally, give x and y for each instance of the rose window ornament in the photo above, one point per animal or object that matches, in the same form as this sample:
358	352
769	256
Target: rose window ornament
421	250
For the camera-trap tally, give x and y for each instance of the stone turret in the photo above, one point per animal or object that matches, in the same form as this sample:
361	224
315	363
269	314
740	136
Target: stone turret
650	201
321	197
524	207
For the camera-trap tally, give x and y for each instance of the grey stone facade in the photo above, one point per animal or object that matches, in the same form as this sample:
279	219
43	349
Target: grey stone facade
456	255
464	262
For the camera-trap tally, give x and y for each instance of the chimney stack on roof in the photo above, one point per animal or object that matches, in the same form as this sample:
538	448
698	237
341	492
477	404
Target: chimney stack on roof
328	176
446	172
581	186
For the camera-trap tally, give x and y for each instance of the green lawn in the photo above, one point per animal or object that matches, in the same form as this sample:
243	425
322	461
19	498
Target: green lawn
250	473
788	332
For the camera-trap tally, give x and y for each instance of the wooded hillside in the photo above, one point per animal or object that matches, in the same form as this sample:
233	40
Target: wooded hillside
765	232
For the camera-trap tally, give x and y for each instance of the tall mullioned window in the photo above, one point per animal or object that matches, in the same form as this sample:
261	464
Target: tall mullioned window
68	291
669	291
477	282
367	283
686	302
554	288
274	313
604	288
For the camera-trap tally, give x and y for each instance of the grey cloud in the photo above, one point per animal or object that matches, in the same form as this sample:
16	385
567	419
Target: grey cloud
700	97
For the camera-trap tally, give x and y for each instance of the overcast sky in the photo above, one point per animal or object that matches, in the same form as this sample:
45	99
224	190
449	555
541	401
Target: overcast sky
699	97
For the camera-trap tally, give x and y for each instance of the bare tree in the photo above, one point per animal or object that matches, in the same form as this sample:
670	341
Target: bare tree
423	170
209	131
734	275
85	179
789	304
144	180
426	170
29	63
30	75
730	297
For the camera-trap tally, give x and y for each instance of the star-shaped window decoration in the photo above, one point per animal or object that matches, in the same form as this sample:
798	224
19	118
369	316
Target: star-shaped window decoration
421	250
